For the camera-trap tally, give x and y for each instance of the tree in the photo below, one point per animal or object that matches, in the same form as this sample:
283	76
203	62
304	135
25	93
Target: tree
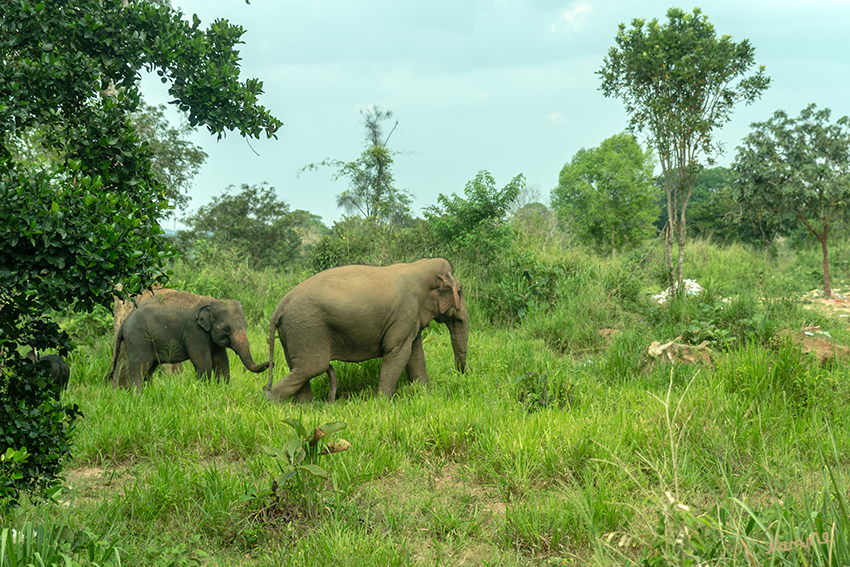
606	195
85	227
476	226
175	160
797	169
371	187
676	81
254	222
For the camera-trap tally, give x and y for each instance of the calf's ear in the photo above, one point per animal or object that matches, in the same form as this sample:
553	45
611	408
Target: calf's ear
204	318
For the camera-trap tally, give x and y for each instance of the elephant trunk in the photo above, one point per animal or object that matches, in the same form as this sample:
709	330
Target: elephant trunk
459	332
240	346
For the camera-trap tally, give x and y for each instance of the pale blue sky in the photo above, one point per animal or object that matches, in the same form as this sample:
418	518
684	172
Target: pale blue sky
503	85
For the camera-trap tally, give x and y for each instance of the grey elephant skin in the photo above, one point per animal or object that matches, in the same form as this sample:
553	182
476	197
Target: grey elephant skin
60	372
120	309
356	313
174	326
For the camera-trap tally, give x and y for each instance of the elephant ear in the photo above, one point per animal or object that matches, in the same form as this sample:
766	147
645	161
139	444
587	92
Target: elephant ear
448	288
204	318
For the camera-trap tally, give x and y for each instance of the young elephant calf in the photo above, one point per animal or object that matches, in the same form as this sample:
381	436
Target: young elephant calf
60	372
175	326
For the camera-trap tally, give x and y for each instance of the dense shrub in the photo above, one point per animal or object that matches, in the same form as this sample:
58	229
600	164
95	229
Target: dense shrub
32	419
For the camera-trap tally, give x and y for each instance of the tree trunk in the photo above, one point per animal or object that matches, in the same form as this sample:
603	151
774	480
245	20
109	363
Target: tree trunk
681	236
613	248
827	287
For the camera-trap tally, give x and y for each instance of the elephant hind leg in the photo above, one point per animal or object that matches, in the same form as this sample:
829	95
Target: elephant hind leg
140	372
332	384
297	382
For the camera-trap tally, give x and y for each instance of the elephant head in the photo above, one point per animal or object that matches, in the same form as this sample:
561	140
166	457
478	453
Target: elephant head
225	321
453	313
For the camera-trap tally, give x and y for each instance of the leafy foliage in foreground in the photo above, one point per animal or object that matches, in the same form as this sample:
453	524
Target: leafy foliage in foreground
85	225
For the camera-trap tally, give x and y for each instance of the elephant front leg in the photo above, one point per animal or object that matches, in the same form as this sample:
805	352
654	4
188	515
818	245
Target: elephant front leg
416	365
220	364
202	361
395	360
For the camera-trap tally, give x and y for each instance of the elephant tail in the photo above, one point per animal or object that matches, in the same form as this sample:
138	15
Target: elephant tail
272	327
116	349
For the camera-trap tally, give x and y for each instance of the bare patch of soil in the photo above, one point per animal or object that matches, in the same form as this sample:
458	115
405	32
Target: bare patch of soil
93	483
451	479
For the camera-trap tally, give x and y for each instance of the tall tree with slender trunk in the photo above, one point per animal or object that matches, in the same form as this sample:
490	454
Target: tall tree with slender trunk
371	186
678	83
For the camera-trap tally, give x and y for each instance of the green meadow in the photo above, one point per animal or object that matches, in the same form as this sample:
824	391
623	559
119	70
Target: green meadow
565	442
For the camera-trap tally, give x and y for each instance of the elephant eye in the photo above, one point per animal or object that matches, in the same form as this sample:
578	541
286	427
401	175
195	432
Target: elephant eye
227	329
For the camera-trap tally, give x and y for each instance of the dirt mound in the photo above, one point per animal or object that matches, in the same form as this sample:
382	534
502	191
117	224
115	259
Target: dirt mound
814	340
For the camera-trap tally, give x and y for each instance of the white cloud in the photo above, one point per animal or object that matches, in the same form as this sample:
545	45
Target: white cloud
573	18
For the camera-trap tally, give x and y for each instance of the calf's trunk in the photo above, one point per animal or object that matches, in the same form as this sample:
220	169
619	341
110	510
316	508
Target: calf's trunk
240	346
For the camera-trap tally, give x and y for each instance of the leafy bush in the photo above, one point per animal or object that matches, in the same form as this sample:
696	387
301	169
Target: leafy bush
87	326
527	285
297	465
536	391
255	223
32	419
475	227
351	241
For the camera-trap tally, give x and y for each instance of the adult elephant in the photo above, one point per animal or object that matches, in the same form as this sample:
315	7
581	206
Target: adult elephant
356	313
120	376
174	326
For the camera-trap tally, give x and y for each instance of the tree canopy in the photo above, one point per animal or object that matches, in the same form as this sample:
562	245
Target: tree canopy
254	222
175	160
796	169
84	226
606	195
678	83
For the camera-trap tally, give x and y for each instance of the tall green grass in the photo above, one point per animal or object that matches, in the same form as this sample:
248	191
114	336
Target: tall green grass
558	446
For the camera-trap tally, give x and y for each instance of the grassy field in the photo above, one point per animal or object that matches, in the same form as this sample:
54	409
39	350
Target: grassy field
560	446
